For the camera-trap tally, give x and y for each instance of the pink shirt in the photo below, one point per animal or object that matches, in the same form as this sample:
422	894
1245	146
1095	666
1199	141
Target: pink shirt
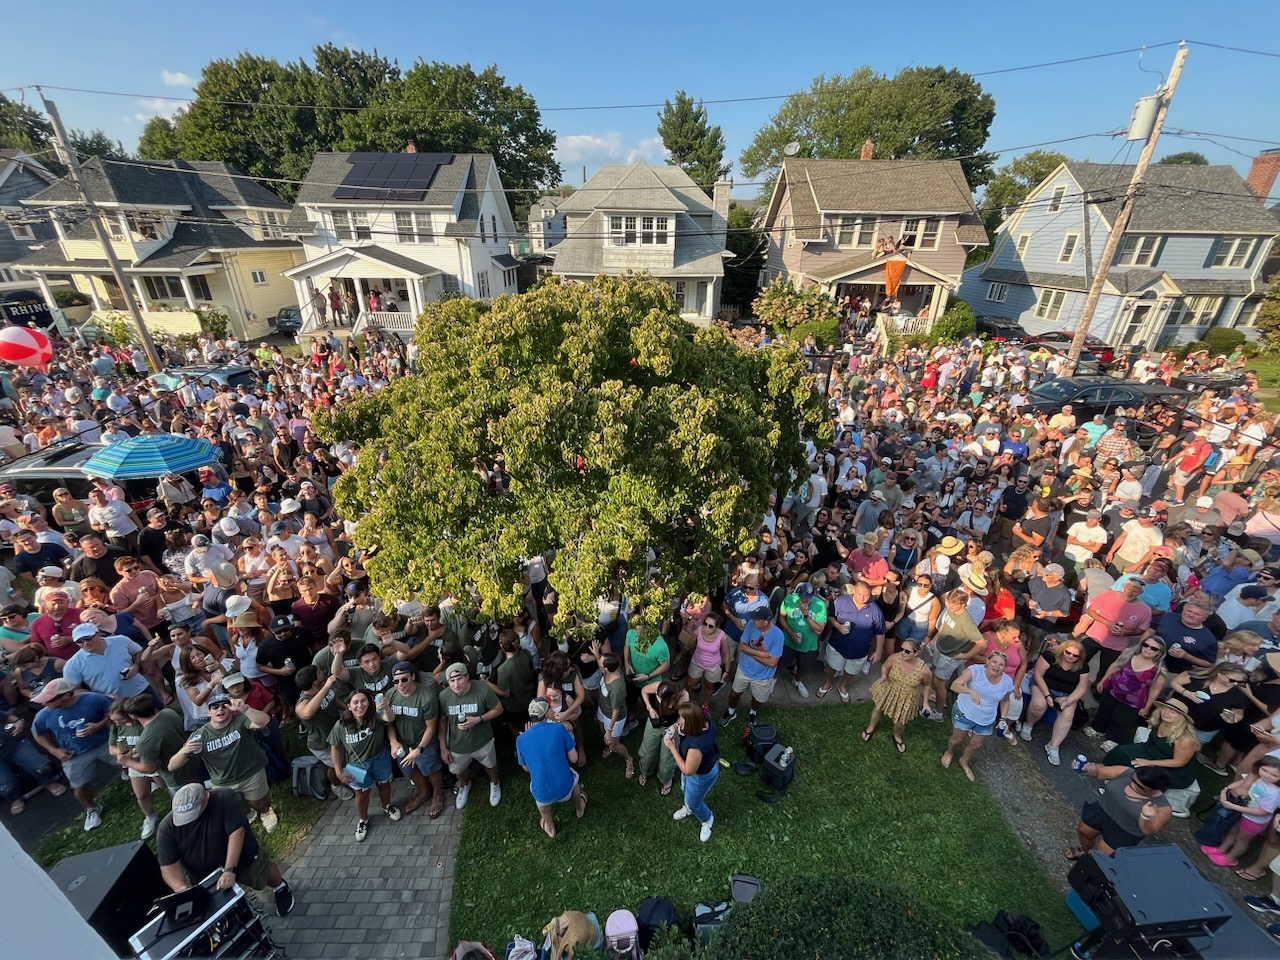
1133	616
874	567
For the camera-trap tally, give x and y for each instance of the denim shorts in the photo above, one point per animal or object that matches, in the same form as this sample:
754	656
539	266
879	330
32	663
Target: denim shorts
429	761
961	722
377	769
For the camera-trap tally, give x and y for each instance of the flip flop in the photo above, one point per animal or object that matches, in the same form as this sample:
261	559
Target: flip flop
844	696
902	747
18	807
437	808
584	806
643	780
55	789
1246	875
1072	853
867	735
1222	861
413	805
666	790
823	691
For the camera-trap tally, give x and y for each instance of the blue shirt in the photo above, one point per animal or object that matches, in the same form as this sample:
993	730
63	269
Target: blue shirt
706	742
750	667
864	626
741	605
1156	595
100	672
63	722
1200	642
1221	581
544	749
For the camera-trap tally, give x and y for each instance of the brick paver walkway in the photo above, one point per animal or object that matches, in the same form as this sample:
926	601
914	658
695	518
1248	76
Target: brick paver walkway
386	897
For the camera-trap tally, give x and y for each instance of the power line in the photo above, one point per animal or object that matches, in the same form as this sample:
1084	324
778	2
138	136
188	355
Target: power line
1219	46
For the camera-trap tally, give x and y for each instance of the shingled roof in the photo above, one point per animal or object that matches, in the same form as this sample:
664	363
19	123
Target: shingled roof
328	170
935	187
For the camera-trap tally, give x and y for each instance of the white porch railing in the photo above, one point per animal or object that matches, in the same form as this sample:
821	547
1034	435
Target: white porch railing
910	326
399	322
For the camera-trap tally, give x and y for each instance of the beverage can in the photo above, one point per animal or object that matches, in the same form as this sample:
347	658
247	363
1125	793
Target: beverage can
1078	764
288	663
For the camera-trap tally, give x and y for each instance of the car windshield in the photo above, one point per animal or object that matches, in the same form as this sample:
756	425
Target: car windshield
1054	390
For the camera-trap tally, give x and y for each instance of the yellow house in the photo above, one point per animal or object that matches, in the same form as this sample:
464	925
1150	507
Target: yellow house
188	234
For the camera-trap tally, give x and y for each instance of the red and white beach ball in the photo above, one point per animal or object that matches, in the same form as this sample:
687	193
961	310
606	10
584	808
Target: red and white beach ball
25	347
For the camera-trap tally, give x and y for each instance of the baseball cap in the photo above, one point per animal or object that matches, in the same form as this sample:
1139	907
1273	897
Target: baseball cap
1055	570
538	708
1094	514
84	631
52	690
761	613
219	698
228	527
156	512
877	495
804	591
404	666
455	670
1146	513
188	803
870	538
885	460
199	540
1129	505
233	679
1253	592
52	572
1205	502
278	528
281	624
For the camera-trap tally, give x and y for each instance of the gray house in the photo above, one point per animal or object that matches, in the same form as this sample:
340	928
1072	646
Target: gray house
20	177
1190	259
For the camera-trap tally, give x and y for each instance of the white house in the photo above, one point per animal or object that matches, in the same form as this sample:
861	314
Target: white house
654	219
412	226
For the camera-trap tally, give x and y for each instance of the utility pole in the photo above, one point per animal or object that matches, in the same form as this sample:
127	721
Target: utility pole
1121	222
104	238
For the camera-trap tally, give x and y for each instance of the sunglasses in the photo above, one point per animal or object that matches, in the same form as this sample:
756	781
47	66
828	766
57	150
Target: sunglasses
1151	646
404	679
909	651
1071	656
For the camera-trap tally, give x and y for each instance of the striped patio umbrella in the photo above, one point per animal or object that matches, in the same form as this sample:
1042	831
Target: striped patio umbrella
155	455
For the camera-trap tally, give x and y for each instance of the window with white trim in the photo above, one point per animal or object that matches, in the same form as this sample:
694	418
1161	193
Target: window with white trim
482	283
164	288
1196	311
351	224
21	231
1055	201
414	227
921	234
1049	306
996	292
1138	252
1068	251
1024	239
272	225
493	223
1234	252
856	231
259	278
1249	313
509	278
200	288
653	231
627	231
449	283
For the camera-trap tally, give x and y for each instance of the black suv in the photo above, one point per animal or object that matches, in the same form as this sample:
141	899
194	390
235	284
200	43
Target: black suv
1000	328
1090	396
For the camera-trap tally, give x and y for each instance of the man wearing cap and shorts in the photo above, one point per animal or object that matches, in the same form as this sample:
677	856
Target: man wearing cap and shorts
1085	538
802	618
51	579
72	728
231	754
954	640
469	709
1048	601
203	556
867	564
856	639
759	651
413	711
106	665
207	832
547	753
320	706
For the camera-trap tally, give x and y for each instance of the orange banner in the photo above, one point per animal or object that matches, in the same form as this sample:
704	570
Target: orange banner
893	276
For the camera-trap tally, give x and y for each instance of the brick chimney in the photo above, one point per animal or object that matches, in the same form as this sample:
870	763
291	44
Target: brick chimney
1262	175
868	150
410	147
720	197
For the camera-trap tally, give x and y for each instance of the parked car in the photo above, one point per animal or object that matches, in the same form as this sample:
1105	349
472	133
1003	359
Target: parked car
39	474
1000	329
215	374
1093	395
1101	350
288	320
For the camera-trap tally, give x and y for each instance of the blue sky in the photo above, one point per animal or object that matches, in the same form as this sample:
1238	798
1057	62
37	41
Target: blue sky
576	54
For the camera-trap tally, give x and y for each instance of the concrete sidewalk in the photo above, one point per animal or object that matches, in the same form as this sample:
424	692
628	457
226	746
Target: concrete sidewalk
386	897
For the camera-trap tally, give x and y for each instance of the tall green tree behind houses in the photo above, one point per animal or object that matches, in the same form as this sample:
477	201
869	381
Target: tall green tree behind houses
696	147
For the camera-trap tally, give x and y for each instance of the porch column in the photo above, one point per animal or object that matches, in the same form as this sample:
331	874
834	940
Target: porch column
46	291
142	294
415	296
187	291
93	291
935	302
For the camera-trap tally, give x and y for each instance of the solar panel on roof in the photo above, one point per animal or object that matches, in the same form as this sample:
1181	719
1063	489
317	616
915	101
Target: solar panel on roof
404	177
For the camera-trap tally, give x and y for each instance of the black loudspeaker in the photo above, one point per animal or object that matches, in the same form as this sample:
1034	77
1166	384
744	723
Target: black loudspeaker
113	889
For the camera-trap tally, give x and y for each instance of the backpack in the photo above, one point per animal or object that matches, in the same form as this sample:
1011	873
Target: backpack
654	914
708	916
309	778
622	934
757	739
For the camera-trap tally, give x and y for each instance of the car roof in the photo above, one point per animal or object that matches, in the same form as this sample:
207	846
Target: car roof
57	457
1082	382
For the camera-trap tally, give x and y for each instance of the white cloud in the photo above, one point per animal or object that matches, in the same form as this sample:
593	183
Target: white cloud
594	149
158	107
176	79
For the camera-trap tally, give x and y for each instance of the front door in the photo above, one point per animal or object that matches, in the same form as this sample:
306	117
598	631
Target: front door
114	293
1134	333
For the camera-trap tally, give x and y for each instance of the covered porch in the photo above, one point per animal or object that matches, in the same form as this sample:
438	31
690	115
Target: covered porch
919	291
377	287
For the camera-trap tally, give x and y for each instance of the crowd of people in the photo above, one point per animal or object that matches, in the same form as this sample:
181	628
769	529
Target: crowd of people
1003	570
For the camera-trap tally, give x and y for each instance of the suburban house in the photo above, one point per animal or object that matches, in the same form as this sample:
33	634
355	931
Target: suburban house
1190	259
546	224
412	227
21	177
873	228
638	218
187	233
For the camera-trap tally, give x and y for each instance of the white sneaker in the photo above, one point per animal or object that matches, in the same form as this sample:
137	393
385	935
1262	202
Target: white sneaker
705	833
495	794
866	666
253	814
393	812
1052	751
1092	733
1024	731
362	830
342	792
463	793
92	819
681	813
148	826
801	688
1106	746
270	819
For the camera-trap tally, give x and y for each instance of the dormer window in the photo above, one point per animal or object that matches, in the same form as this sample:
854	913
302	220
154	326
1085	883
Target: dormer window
645	231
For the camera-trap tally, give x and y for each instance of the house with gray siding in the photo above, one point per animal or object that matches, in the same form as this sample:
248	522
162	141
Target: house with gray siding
639	218
20	177
1190	259
846	226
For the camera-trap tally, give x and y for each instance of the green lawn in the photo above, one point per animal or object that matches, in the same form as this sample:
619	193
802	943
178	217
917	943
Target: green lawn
1267	369
853	808
122	820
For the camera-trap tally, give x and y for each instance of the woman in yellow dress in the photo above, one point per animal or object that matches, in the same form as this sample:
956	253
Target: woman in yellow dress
896	694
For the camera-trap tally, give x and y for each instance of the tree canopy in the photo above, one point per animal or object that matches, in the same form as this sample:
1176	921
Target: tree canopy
922	113
269	118
24	128
623	429
695	146
783	306
1268	318
746	241
1011	184
1187	158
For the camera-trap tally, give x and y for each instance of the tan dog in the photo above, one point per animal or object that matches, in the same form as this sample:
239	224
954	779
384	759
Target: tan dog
569	931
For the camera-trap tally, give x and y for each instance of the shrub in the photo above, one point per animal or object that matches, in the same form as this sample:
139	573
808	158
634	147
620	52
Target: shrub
70	298
1222	340
835	916
782	307
214	321
916	340
826	331
959	321
669	943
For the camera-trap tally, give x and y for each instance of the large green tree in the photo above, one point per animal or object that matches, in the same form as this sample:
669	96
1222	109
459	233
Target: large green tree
1010	185
1268	319
747	242
24	128
695	146
270	118
624	430
922	113
1187	158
